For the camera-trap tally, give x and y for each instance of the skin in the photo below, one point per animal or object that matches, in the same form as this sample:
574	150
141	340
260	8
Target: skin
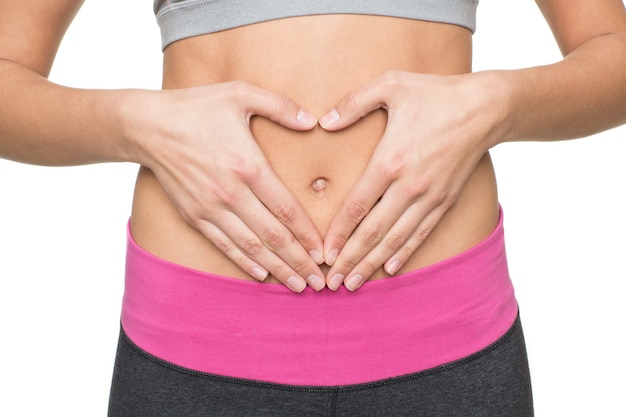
224	186
159	229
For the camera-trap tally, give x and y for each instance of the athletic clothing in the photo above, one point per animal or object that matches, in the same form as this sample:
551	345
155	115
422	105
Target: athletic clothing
180	19
444	340
493	382
387	328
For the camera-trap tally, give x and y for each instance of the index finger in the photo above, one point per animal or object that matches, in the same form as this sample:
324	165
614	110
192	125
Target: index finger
355	206
283	205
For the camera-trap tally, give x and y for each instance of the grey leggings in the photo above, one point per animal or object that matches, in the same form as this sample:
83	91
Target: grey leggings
494	382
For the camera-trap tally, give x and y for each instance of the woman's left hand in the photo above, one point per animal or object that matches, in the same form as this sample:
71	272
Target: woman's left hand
437	130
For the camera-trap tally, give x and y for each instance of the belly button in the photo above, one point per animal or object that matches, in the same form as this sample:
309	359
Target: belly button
319	187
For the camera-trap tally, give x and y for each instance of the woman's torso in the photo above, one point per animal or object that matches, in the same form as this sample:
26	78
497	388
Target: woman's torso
315	60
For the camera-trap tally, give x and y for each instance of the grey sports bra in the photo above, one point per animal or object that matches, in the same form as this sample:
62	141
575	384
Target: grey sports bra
180	19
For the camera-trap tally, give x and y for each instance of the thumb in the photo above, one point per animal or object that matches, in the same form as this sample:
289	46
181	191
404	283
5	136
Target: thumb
356	105
278	108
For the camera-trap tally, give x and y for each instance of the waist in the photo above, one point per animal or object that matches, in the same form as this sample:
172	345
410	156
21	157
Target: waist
321	59
391	327
160	229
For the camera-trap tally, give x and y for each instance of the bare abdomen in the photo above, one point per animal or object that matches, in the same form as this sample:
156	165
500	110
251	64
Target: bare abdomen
315	60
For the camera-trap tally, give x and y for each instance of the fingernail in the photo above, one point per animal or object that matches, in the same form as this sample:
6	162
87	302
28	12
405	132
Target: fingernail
296	284
354	282
305	117
329	118
316	282
259	273
336	281
332	257
393	267
317	257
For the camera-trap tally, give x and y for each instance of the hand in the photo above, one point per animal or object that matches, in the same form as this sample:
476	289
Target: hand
436	134
198	143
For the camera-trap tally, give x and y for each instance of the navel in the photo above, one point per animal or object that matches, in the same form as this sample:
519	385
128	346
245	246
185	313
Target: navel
319	186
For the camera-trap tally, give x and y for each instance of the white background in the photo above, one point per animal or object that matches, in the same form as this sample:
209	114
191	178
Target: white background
62	236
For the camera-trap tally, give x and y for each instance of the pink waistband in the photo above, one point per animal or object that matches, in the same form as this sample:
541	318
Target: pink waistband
390	327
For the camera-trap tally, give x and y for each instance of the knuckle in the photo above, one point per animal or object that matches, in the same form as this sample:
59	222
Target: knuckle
188	216
440	198
349	264
355	211
419	186
450	199
240	87
273	239
339	239
423	233
390	78
195	215
282	105
393	169
286	213
368	266
224	246
300	264
372	236
245	171
395	242
390	168
407	251
252	247
225	195
306	238
281	271
351	101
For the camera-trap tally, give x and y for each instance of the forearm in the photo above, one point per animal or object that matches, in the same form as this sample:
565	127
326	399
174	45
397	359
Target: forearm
46	124
583	94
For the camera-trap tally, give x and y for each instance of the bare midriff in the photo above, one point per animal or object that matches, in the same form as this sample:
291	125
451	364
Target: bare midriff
315	60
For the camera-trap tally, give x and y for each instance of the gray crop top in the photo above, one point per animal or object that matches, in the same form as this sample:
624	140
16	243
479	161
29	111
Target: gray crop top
180	19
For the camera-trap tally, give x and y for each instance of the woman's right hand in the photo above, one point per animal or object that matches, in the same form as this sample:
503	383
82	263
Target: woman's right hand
198	143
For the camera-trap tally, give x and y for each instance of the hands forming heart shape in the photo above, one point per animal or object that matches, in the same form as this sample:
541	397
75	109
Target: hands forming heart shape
434	138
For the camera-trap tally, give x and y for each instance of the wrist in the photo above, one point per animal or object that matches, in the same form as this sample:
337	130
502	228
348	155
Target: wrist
133	110
493	93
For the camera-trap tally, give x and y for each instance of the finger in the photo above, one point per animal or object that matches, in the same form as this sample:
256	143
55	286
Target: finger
232	251
355	207
398	259
372	232
388	253
276	107
248	244
283	205
367	192
277	239
358	103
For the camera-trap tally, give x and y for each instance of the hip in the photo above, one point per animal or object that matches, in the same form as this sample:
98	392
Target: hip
401	325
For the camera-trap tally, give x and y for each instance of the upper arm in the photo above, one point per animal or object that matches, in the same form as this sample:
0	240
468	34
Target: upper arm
31	30
574	22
